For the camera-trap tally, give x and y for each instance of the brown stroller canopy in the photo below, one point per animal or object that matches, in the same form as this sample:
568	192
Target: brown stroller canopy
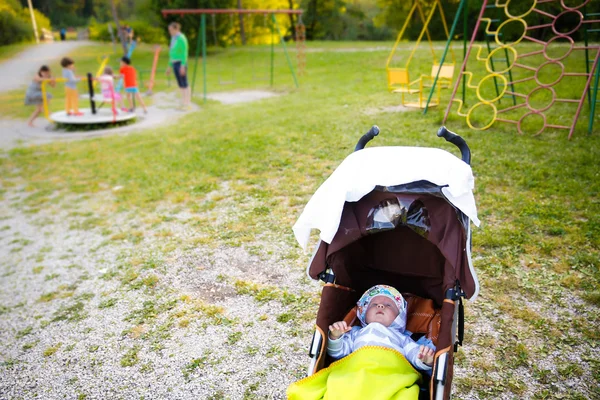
407	236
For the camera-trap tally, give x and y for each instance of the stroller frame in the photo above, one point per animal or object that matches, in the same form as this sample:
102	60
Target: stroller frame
440	383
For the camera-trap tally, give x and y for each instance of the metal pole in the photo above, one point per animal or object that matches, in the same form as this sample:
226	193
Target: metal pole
464	64
91	90
587	56
131	48
203	19
510	76
287	56
198	42
594	97
588	86
487	43
35	31
465	26
45	100
112	37
272	52
454	24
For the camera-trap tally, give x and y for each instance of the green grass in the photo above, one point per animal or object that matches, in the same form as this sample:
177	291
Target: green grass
260	162
52	349
11	50
130	358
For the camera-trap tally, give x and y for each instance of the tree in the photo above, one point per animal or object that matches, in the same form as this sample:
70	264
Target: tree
120	32
241	16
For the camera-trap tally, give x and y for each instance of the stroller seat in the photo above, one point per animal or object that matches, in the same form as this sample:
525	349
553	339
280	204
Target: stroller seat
422	318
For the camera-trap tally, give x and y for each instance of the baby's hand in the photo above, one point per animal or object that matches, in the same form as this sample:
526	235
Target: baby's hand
338	329
426	355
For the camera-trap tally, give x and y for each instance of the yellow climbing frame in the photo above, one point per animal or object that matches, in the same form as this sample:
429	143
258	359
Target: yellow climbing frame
484	103
399	78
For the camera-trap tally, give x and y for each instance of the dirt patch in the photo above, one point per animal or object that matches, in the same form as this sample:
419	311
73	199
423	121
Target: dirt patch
241	96
389	109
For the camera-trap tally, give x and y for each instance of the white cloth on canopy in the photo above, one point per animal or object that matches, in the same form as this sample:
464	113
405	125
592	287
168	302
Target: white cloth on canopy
361	171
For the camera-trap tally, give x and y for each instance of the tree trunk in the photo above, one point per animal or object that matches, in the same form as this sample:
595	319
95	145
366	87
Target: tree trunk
312	10
242	31
292	24
118	25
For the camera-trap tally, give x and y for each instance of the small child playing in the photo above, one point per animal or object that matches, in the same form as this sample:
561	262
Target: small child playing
107	85
382	314
129	75
33	96
71	95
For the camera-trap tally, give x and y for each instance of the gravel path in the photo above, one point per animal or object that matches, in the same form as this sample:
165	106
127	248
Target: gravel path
16	133
21	67
98	305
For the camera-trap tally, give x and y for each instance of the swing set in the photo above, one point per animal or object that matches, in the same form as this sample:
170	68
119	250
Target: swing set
399	80
270	26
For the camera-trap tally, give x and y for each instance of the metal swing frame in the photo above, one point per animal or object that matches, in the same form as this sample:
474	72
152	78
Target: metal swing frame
201	42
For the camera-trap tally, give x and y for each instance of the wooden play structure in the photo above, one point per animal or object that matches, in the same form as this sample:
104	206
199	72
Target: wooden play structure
422	88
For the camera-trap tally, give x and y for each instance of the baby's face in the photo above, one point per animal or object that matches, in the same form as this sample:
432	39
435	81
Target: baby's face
381	309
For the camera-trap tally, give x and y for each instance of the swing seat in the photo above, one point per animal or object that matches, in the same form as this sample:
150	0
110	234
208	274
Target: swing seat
399	81
446	74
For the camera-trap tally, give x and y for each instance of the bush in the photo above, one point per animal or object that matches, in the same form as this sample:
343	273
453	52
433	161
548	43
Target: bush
15	22
141	30
40	19
12	29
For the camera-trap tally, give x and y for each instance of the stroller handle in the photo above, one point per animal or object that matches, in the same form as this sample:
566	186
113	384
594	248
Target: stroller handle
367	137
458	142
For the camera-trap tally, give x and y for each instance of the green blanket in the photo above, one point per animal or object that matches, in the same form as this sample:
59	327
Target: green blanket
374	373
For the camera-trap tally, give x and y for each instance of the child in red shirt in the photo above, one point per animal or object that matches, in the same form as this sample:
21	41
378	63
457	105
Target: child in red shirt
129	75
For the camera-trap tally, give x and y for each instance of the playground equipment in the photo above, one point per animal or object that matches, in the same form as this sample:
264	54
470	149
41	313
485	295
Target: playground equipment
103	62
593	91
92	115
112	37
399	80
269	22
300	38
150	84
259	69
539	99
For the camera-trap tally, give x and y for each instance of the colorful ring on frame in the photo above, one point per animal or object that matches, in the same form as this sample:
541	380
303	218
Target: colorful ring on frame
528	114
566	7
578	13
537	72
477	106
495	99
550	104
568	53
526	13
488	66
497	38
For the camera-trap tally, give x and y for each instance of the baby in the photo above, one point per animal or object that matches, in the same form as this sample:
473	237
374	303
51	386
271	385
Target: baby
382	314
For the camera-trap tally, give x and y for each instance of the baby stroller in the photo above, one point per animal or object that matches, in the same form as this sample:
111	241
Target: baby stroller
398	216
